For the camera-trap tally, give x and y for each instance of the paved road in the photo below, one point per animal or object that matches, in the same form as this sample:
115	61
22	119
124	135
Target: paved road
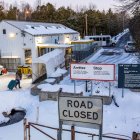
115	55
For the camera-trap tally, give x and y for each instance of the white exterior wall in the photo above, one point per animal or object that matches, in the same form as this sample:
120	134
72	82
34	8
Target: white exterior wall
14	46
60	38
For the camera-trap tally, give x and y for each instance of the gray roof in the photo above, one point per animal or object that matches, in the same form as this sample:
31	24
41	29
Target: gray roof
40	28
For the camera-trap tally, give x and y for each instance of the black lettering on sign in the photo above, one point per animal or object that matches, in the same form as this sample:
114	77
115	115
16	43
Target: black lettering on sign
83	114
89	104
76	104
89	115
69	114
65	113
76	114
95	116
82	104
69	103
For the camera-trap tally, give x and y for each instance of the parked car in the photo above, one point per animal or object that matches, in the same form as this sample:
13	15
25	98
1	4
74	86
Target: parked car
130	46
2	70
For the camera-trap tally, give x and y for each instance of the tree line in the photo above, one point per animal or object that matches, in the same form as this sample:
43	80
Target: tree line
133	7
98	22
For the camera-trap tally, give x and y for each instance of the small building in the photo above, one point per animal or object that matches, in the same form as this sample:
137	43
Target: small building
83	48
26	41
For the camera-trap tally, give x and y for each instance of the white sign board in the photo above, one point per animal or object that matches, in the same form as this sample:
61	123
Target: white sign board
85	71
80	109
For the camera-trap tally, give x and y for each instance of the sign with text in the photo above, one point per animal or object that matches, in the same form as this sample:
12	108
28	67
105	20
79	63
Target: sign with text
129	76
85	71
80	109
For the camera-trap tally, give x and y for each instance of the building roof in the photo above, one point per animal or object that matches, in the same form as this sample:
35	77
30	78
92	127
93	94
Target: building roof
54	46
84	41
40	28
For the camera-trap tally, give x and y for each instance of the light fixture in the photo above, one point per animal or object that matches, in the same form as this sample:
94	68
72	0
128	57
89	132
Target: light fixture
67	40
39	40
12	35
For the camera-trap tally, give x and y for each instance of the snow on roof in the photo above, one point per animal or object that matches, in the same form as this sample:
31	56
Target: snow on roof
54	45
40	28
97	36
83	41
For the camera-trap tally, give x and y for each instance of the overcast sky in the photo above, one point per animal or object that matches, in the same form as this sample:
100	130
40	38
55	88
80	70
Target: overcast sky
100	4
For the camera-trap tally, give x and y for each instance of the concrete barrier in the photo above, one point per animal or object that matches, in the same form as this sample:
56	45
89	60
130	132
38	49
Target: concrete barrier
46	95
35	91
106	99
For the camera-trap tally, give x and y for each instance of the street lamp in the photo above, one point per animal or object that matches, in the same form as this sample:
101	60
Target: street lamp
27	12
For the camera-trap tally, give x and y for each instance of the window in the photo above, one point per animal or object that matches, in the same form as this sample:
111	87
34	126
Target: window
28	56
56	41
4	31
52	49
97	39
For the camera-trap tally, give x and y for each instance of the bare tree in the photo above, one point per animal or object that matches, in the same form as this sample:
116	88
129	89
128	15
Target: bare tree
129	5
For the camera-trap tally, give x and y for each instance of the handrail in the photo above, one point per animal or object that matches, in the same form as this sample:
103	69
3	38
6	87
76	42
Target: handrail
42	132
117	135
85	133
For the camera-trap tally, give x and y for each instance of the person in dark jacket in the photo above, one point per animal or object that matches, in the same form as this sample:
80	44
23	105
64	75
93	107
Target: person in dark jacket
18	78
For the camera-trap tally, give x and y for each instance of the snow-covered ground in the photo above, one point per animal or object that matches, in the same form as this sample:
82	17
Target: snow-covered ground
119	120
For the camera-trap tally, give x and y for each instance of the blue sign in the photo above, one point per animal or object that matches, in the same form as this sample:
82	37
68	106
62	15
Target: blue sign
129	76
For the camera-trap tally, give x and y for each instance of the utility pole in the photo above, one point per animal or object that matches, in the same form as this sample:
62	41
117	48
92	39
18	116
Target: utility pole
86	24
123	20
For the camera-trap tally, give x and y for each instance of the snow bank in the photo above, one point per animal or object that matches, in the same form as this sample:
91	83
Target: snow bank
55	88
3	119
62	71
116	38
15	99
59	72
50	80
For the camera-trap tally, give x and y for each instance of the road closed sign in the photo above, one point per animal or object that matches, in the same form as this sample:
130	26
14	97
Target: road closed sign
80	109
85	71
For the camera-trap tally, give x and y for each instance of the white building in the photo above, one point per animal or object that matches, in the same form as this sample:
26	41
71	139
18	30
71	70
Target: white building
29	40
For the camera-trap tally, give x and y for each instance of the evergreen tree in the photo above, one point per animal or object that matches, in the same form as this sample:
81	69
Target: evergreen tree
12	13
2	14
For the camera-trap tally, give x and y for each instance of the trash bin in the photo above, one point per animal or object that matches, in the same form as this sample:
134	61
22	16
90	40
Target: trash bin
27	70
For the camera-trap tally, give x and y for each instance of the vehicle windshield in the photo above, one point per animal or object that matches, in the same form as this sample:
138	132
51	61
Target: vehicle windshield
131	44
